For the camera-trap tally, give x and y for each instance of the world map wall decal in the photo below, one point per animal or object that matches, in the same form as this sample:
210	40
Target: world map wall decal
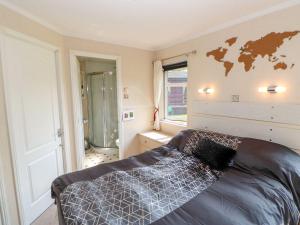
266	46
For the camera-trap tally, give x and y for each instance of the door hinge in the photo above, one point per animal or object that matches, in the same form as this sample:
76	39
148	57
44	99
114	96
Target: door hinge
59	133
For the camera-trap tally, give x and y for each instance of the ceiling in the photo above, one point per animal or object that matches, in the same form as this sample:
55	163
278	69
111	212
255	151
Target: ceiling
146	24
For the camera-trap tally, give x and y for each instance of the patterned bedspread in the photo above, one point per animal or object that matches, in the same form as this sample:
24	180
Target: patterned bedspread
139	196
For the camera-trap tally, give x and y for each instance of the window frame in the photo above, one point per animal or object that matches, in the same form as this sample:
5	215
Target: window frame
167	85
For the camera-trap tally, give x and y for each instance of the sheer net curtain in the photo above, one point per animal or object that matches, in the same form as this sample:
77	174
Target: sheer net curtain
158	87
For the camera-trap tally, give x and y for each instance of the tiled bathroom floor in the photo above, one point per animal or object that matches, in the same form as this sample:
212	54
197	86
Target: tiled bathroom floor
95	156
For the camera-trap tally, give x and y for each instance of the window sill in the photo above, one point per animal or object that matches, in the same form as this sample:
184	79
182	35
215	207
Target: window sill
174	123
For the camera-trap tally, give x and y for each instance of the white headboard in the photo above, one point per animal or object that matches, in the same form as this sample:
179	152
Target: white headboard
278	123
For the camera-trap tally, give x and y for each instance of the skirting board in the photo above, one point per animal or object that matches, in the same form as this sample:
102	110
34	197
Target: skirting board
275	123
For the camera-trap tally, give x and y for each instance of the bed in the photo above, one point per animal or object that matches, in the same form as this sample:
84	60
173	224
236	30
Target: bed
167	186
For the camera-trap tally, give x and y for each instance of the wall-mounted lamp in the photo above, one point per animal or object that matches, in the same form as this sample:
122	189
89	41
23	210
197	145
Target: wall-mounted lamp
272	89
206	90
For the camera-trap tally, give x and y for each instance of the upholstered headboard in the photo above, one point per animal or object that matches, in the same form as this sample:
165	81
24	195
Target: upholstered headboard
278	123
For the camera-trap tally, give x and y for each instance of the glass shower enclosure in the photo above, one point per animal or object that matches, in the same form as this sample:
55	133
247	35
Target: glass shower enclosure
102	109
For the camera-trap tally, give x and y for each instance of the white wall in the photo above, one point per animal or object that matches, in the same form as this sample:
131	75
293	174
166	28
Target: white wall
136	75
206	72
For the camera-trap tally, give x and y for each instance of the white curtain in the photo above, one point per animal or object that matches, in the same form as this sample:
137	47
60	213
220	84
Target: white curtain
158	80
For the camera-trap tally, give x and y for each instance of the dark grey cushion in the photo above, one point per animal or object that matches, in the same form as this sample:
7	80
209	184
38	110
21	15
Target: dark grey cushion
215	155
192	142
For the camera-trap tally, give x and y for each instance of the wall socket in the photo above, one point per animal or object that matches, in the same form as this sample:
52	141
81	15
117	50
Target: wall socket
235	98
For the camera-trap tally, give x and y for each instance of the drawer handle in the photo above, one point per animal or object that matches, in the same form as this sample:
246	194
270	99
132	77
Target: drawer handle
145	141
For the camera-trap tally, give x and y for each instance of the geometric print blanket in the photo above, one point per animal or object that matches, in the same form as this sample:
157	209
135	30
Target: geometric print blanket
138	196
222	139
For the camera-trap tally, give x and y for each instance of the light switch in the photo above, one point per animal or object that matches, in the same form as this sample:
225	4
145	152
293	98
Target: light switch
235	98
128	115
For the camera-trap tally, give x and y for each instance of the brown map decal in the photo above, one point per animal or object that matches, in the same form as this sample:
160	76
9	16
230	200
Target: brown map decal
266	46
280	65
231	41
220	53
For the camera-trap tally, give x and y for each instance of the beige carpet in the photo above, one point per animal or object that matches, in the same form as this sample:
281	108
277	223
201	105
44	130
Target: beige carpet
49	217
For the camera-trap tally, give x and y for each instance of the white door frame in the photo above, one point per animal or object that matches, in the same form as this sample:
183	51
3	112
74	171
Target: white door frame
4	219
66	151
77	102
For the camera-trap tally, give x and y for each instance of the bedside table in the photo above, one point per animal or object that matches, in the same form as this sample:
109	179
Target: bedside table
153	139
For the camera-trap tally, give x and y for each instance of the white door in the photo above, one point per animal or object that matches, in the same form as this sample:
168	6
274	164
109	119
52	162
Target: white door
29	71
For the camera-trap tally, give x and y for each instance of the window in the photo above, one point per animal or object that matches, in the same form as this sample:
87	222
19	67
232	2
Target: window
176	92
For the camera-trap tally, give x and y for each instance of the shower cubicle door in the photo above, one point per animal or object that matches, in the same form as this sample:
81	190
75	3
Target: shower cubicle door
103	111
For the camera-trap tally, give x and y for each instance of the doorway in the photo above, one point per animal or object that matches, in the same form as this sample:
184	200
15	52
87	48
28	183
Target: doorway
96	109
99	110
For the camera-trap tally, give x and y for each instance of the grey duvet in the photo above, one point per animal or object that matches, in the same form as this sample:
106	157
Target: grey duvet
167	187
